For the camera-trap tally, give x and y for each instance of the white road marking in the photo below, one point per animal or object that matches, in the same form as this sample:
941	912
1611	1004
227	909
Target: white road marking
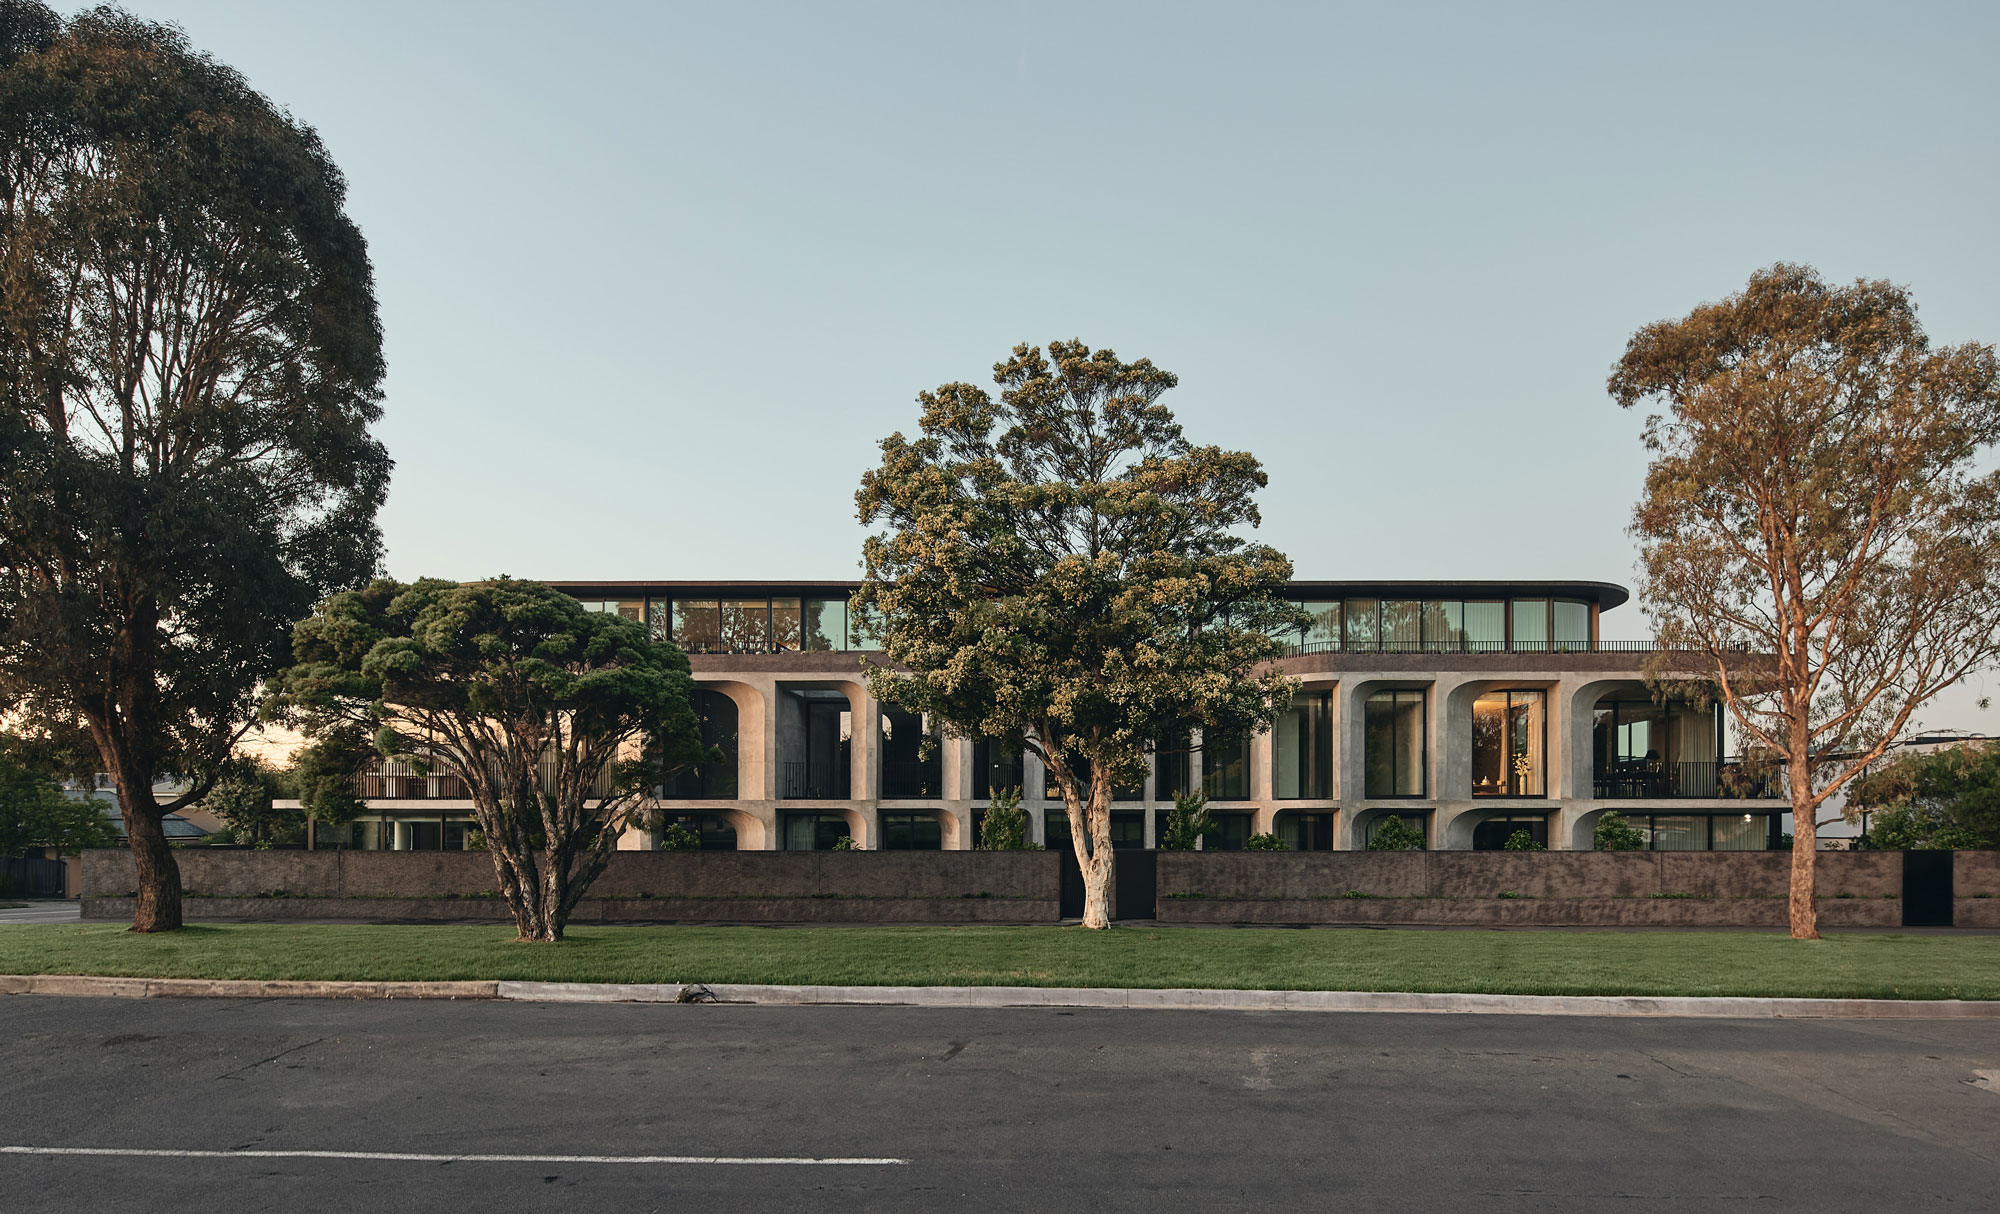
421	1157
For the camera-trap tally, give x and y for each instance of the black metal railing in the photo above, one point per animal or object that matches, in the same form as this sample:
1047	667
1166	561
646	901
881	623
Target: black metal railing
1460	645
805	781
399	780
912	779
1729	781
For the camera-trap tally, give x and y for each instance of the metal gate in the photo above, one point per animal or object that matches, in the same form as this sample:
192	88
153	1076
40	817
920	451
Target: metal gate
32	877
1927	879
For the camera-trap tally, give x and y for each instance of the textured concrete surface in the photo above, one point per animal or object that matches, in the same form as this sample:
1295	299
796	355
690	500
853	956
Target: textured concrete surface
1023	1109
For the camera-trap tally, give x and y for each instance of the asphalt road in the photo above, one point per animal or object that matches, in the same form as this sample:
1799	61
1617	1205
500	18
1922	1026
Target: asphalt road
994	1110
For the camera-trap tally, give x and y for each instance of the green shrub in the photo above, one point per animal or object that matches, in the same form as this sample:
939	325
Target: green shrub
1521	840
1394	834
1265	843
844	843
1005	825
677	837
1186	823
1614	833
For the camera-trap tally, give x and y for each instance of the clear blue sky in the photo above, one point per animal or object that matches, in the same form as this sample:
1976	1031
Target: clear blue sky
656	278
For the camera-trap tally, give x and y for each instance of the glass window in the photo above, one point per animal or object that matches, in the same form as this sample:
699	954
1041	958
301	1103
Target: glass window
1302	748
905	770
1493	833
1646	749
1444	627
1531	625
1306	832
1323	634
1225	768
714	830
658	620
1417	822
746	625
1395	755
1361	619
1402	626
785	624
1231	831
825	625
996	767
625	609
1679	832
1572	625
1171	763
1128	829
1508	732
698	625
709	781
1740	832
860	634
1486	627
813	832
911	832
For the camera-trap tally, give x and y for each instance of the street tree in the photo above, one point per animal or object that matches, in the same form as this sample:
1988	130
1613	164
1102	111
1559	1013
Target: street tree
1943	798
36	811
1061	570
190	361
1818	537
245	798
559	720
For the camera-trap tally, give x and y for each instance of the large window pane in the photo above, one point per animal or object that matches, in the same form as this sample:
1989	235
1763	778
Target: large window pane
697	624
1171	764
1486	627
659	621
785	624
1302	748
1740	832
746	625
1572	622
1402	626
1394	757
709	781
1444	627
825	625
911	832
1225	768
1507	739
1361	618
905	770
1323	635
1531	625
859	634
1679	832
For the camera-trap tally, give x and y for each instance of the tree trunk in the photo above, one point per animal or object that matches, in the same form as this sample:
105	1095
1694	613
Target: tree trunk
159	902
1805	847
1100	878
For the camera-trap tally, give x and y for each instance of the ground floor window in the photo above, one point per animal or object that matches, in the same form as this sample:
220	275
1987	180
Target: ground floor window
1706	832
1307	832
408	832
1128	829
1493	833
1230	833
812	832
911	832
714	830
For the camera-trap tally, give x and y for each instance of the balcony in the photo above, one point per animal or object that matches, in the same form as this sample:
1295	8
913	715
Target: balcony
398	780
1300	648
1726	781
814	782
912	779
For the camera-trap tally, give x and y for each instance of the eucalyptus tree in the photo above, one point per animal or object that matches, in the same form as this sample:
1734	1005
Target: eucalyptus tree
1820	534
1059	568
190	361
560	721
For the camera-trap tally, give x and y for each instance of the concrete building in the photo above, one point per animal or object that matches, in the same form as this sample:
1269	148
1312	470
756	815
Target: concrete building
1471	710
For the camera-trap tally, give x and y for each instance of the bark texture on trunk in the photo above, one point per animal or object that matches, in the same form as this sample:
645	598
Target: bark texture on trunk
159	902
1092	822
1805	849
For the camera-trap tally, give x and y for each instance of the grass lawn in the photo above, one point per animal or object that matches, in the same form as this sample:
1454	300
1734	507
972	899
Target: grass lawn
1511	962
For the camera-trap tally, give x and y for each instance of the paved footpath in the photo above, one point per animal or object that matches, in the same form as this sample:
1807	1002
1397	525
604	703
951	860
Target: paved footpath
383	1105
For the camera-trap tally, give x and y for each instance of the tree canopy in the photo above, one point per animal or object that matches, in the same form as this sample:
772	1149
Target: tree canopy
559	720
1943	798
1060	568
1820	534
190	362
35	810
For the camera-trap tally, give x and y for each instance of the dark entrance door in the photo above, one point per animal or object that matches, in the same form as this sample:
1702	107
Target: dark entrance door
1138	879
1927	889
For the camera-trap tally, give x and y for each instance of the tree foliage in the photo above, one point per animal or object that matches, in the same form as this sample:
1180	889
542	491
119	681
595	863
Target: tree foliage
1522	840
559	720
35	811
1265	842
1062	570
1818	535
1614	833
245	798
189	365
1004	827
1186	823
1944	798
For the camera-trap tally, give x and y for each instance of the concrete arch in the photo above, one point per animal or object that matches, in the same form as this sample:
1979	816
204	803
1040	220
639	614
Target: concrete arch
753	721
1456	831
1352	827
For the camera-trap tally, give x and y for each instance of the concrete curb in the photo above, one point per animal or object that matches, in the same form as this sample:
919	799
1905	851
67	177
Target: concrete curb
1019	996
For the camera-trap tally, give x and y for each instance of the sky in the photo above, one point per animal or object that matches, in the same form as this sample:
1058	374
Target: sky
656	279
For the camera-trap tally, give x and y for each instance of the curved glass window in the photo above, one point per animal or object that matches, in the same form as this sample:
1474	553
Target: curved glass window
1572	626
1509	729
709	781
1302	748
1396	749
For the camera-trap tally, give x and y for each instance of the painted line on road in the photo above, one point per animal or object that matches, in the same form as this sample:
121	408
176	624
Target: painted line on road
857	1161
